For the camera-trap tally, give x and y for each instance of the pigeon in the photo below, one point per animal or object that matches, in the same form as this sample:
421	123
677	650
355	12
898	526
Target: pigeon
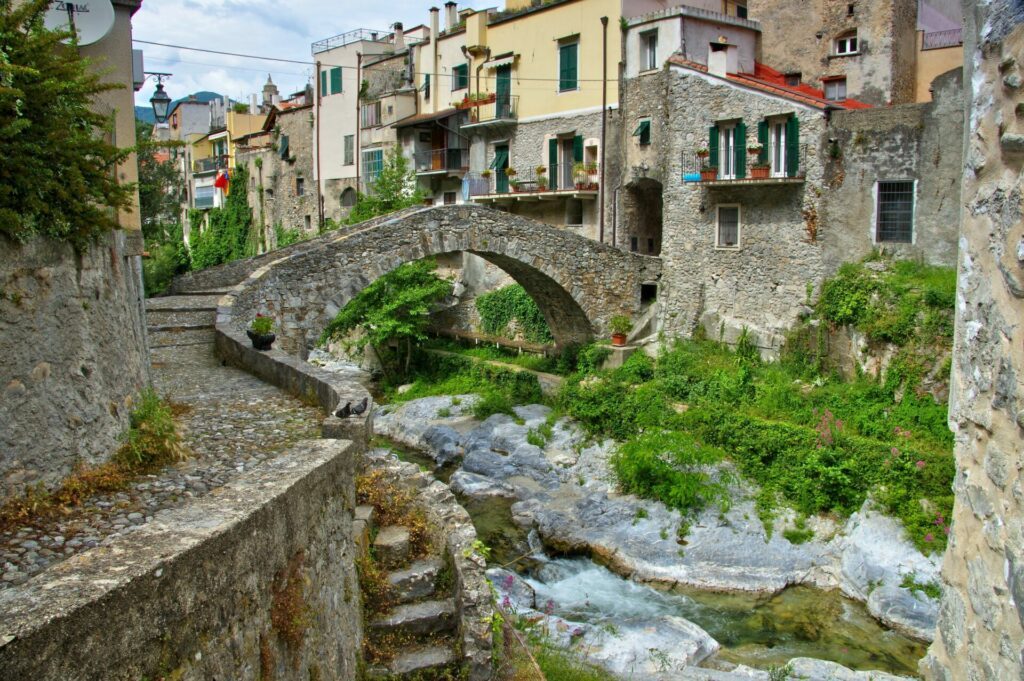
361	407
343	411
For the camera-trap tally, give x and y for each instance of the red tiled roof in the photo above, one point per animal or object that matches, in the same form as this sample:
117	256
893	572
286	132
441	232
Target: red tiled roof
768	80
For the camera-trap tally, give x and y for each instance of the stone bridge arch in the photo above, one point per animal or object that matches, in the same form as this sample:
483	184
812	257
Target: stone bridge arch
578	284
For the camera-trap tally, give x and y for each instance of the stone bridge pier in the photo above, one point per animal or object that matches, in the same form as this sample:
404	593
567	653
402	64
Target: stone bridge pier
578	284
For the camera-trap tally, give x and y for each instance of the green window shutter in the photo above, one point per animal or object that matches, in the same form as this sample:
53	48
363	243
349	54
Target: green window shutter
567	67
713	146
553	162
762	139
792	146
283	146
335	80
426	86
643	131
741	150
577	149
323	84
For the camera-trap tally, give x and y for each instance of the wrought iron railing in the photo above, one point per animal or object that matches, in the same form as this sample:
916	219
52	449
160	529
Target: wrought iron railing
205	165
491	109
350	37
554	178
939	39
441	159
773	163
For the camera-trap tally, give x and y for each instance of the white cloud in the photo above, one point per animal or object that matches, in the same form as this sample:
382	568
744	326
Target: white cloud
262	27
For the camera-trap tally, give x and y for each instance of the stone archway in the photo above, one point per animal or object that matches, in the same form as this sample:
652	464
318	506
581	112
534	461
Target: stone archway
642	216
578	284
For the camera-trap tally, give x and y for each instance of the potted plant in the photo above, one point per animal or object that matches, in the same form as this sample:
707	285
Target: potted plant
620	325
703	153
261	332
486	172
760	171
510	172
755	150
708	173
579	174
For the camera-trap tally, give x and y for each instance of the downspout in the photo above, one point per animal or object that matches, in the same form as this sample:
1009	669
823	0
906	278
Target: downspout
358	152
604	120
487	57
319	176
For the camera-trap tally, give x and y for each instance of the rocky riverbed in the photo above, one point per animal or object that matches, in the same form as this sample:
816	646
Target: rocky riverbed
561	487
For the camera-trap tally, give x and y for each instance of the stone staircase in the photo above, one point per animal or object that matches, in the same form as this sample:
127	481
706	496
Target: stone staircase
185	319
422	625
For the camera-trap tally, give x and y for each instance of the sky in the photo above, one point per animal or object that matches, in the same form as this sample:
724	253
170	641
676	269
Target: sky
274	28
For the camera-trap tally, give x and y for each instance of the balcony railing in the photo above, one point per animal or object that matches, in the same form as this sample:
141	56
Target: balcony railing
940	39
773	166
574	179
205	165
442	160
491	110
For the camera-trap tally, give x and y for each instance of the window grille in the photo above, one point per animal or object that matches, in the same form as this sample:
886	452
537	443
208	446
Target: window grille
728	226
895	221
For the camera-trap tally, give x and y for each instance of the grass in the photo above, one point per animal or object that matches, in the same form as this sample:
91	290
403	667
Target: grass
930	589
561	364
564	665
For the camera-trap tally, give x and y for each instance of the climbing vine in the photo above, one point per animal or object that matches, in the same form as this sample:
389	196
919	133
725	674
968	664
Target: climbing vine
499	308
227	235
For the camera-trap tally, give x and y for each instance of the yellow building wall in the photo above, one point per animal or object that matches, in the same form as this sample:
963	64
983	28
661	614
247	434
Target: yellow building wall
933	63
239	124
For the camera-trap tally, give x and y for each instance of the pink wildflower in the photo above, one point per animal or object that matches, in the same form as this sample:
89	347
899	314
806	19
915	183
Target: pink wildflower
929	537
920	464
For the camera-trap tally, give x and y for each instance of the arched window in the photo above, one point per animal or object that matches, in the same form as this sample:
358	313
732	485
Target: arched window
348	198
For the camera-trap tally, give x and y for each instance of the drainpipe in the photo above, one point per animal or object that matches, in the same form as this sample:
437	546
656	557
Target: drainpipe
358	152
319	175
604	119
480	66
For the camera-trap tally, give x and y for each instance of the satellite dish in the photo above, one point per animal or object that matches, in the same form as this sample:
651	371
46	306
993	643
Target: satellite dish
91	19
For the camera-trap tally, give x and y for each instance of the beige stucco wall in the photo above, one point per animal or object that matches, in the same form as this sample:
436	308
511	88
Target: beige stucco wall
933	63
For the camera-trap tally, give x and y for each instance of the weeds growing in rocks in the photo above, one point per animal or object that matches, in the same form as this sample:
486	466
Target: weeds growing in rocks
395	505
289	612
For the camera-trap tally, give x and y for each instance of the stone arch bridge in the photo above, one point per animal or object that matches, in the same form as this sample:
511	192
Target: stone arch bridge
579	284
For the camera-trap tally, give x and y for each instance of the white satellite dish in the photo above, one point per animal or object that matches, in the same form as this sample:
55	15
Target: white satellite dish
91	19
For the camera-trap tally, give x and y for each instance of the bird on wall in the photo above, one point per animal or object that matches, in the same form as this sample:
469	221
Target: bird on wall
348	409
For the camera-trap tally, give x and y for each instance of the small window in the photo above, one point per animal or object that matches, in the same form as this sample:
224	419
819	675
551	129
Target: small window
369	115
634	244
650	245
846	43
300	186
348	197
449	198
573	212
460	77
727	234
849	10
568	66
794	79
741	9
895	218
649	50
835	89
426	86
309	223
643	131
350	149
648	293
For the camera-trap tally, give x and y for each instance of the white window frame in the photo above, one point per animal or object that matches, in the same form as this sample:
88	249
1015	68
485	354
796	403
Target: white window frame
727	151
349	150
835	82
777	146
649	56
718	226
846	44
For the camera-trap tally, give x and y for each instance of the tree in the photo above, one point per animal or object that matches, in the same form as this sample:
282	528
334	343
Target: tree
57	172
227	237
159	185
396	307
393	189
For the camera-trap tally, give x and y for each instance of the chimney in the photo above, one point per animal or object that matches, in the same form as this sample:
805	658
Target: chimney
399	39
451	15
723	58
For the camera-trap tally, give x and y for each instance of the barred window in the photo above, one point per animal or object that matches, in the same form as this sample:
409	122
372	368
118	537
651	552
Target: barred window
895	218
728	233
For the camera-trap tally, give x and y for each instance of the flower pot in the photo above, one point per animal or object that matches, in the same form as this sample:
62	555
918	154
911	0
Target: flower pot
618	339
759	173
709	175
702	154
260	341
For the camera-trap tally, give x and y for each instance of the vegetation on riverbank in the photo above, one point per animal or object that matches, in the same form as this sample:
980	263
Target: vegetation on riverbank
509	312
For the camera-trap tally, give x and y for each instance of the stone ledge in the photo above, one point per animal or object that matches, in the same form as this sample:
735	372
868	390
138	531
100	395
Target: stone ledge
164	595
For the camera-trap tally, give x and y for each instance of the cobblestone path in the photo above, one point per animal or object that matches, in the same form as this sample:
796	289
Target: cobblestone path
229	420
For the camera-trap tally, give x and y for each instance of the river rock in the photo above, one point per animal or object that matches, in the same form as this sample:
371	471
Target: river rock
479	486
822	670
442	443
521	596
409	423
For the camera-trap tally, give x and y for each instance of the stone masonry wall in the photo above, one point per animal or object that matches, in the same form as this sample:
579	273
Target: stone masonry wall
908	142
762	284
73	342
981	620
195	590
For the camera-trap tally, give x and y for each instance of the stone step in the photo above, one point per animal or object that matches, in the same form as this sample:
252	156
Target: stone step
168	317
417	581
421	662
417	619
166	339
201	301
362	524
391	546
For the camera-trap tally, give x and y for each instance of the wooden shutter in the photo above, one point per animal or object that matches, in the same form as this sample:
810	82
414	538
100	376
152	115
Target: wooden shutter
323	84
713	146
553	163
567	67
335	80
741	150
792	146
762	139
577	149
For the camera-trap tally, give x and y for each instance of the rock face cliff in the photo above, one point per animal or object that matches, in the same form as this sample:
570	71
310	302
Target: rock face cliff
980	621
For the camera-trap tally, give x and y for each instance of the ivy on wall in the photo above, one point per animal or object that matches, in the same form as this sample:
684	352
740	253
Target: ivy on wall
227	235
499	308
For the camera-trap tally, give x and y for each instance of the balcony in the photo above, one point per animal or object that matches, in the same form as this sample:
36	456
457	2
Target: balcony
772	166
208	165
577	181
442	161
490	111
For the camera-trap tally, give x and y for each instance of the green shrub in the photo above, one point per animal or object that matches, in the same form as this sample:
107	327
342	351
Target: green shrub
226	237
499	308
287	237
164	262
152	439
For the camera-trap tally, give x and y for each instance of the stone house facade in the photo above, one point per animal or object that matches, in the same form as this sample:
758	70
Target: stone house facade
864	48
279	161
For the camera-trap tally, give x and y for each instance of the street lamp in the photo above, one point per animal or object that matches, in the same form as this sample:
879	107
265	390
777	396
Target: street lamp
160	100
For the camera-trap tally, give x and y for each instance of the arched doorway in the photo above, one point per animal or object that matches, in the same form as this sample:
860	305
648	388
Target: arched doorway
642	216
